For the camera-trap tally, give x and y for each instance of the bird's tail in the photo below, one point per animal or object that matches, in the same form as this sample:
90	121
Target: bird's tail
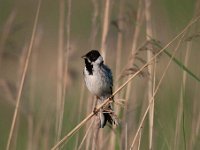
107	115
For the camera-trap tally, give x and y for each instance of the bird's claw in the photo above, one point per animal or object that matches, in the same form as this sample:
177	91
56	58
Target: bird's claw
95	111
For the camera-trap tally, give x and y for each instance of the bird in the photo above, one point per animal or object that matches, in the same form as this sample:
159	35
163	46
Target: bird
99	81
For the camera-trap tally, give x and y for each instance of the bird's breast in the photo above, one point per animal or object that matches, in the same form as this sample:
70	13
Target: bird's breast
97	83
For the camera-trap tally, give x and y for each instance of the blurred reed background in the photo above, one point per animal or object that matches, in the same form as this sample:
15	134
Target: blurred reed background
42	92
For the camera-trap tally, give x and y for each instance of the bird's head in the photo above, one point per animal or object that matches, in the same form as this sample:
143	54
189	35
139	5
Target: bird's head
93	57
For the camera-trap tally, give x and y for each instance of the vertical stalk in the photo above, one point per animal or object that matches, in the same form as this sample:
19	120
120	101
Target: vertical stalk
161	79
95	15
139	139
18	99
63	59
80	109
93	36
60	71
65	64
105	28
99	136
149	35
139	21
180	111
86	134
31	142
20	70
118	65
96	143
196	114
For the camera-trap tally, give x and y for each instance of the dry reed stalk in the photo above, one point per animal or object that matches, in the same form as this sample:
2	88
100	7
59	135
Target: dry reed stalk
95	15
18	99
180	112
195	122
15	134
119	44
68	48
195	127
62	65
75	129
6	31
60	71
96	142
88	142
65	63
180	115
188	50
118	66
80	110
157	87
149	35
31	103
139	20
105	28
93	36
19	74
86	133
103	53
139	139
37	40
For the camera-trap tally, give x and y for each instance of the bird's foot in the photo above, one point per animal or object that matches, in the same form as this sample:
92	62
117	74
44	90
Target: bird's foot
111	98
95	111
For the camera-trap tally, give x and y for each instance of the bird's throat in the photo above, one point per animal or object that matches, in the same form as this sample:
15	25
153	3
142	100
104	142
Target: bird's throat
89	67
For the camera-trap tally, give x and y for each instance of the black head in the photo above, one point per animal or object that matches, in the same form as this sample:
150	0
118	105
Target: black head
92	55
